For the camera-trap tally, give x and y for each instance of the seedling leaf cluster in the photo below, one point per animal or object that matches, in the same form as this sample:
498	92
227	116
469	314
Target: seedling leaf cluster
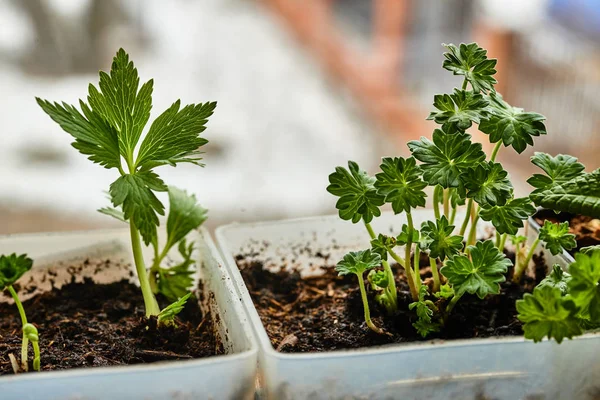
469	185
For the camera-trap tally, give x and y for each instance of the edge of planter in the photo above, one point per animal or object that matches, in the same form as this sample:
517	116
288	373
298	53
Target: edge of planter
175	369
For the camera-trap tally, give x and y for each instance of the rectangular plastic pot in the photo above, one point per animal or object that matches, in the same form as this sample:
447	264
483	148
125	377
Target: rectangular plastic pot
506	368
563	259
231	376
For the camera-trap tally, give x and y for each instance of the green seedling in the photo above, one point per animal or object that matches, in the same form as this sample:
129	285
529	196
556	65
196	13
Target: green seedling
109	130
12	268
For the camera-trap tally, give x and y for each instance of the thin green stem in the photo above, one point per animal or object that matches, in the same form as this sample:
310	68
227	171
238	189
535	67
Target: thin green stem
36	356
150	302
363	293
447	203
473	231
436	275
417	267
436	201
452	303
453	214
407	250
409	274
391	290
495	151
463	228
503	242
522	266
24	341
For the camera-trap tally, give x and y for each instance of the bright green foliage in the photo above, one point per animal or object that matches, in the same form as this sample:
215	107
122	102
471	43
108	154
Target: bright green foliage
488	184
590	249
517	239
424	309
479	275
580	195
358	198
438	239
509	217
547	313
584	285
176	281
512	125
471	61
401	184
459	110
446	292
559	169
447	158
557	237
357	262
12	268
168	314
402	238
379	279
185	214
557	279
382	244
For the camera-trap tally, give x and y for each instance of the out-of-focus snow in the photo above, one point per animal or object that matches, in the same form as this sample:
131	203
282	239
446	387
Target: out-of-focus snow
280	126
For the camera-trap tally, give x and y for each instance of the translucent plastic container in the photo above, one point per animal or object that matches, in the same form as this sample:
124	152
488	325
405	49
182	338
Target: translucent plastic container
231	376
563	259
508	368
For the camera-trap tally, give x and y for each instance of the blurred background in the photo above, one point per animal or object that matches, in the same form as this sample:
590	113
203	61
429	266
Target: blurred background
302	86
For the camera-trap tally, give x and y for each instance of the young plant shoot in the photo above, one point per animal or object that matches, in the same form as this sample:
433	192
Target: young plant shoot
12	268
109	130
458	172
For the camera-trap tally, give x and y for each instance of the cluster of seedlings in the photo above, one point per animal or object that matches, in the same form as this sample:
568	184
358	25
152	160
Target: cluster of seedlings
108	129
460	173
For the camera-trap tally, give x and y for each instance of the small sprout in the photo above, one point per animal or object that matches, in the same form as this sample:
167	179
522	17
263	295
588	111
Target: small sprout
471	61
518	240
378	279
357	262
382	244
168	314
446	292
438	239
547	313
557	279
403	237
424	309
12	268
557	237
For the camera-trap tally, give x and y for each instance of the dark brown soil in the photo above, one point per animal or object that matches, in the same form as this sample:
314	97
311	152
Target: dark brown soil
86	325
326	313
585	229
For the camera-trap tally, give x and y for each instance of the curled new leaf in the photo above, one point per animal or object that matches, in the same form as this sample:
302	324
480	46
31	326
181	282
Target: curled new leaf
357	193
401	184
557	237
509	217
459	110
12	267
379	279
488	184
438	239
480	275
471	61
547	313
447	157
512	125
357	262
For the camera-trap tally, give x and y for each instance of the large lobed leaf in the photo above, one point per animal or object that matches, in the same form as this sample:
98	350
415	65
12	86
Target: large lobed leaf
479	275
447	157
512	125
559	169
358	198
488	184
357	262
458	111
508	218
401	184
471	61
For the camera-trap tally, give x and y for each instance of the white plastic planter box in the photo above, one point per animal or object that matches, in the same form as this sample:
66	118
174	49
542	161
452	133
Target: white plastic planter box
231	376
508	368
563	259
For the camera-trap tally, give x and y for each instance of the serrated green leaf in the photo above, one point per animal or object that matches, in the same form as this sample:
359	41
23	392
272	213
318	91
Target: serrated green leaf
12	267
557	279
479	275
401	184
134	193
168	314
559	169
185	214
488	184
176	281
357	262
113	212
174	136
382	244
547	313
509	217
447	157
584	285
424	309
512	125
471	61
557	237
438	239
94	137
516	240
402	238
357	193
458	111
580	195
446	292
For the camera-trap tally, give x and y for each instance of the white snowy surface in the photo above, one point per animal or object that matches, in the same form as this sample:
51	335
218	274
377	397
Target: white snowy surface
281	126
